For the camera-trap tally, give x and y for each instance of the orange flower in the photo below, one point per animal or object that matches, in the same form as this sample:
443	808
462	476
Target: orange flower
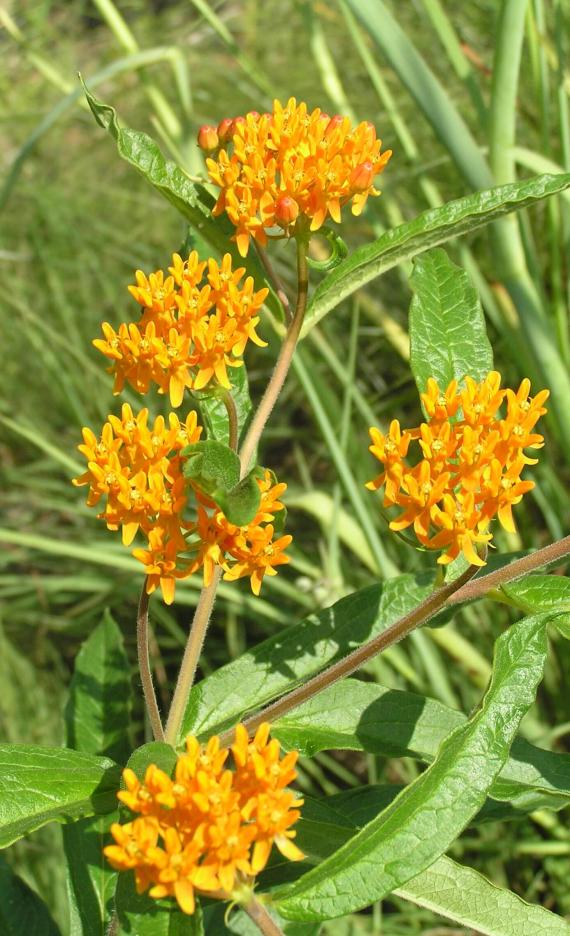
208	829
135	471
471	466
292	163
194	326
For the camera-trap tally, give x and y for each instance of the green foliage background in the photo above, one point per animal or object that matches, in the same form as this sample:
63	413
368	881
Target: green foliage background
76	222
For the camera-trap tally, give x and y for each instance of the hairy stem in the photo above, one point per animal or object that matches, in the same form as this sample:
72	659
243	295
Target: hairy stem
264	922
400	629
230	405
208	595
191	658
144	666
462	589
514	570
283	361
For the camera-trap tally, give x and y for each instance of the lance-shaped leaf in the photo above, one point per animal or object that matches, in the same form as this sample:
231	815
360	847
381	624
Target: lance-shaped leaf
448	338
358	716
447	888
41	784
192	200
97	722
429	229
423	821
21	910
100	695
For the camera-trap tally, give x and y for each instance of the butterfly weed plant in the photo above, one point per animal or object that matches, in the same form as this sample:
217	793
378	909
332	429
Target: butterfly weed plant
207	814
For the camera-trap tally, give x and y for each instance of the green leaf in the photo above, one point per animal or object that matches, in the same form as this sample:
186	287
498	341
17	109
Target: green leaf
21	910
424	820
91	880
214	412
466	897
448	338
155	752
297	652
215	469
41	784
211	465
192	200
100	695
539	593
358	716
432	227
446	888
97	722
241	503
140	915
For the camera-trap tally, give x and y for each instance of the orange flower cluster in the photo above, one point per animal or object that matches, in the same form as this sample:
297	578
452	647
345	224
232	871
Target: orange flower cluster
290	164
194	325
137	470
209	829
471	464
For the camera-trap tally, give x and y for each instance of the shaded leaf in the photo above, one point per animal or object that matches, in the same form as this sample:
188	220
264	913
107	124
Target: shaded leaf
358	716
540	593
298	652
40	785
214	412
21	910
140	915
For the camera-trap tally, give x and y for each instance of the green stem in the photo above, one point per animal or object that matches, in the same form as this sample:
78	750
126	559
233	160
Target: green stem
144	666
191	658
283	364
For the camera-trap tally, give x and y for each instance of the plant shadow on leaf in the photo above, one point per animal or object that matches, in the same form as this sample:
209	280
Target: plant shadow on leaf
278	663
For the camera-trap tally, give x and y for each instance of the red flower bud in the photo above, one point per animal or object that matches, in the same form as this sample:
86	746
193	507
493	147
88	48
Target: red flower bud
286	211
362	177
208	139
226	129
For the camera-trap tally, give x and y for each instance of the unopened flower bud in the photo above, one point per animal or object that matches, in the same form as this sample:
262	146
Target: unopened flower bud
362	176
286	211
238	122
225	129
334	124
208	139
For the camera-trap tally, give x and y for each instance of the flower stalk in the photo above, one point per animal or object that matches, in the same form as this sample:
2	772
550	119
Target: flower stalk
191	658
283	364
144	666
260	916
